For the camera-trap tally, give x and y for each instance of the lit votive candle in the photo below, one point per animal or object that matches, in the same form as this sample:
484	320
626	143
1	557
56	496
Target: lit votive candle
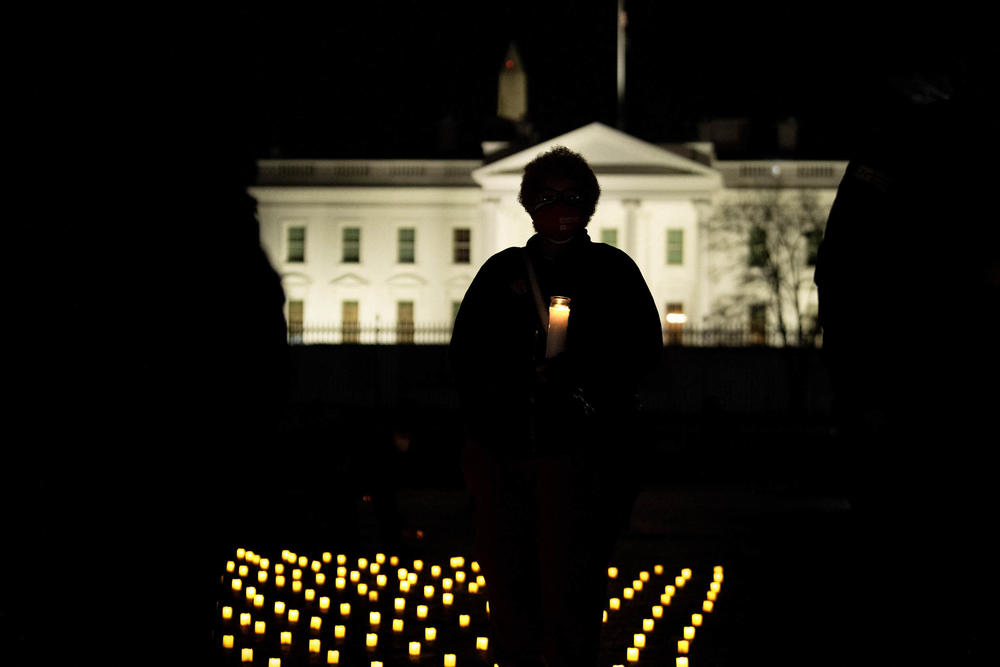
244	570
362	589
314	645
657	611
227	613
447	599
473	587
245	620
647	625
696	620
340	583
296	574
715	586
475	566
362	563
397	625
320	578
250	592
612	573
604	616
227	641
628	593
449	660
241	553
381	580
279	568
355	576
380	558
345	608
258	601
324	603
711	595
669	590
686	573
310	594
230	566
683	646
481	580
446	584
315	622
435	571
399	604
482	643
262	577
639	640
293	615
460	577
341	559
404	586
707	606
394	561
373	596
422	611
342	571
657	569
374	618
246	655
303	561
644	576
286	638
430	634
418	565
340	631
665	599
637	584
333	657
279	608
679	581
614	604
327	556
428	592
414	648
401	573
632	654
463	620
371	640
296	586
688	632
279	581
315	565
237	584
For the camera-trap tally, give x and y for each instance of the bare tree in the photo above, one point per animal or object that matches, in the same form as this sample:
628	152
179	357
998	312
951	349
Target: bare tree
769	237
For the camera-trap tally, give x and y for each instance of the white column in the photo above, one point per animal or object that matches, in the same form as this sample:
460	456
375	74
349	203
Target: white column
631	245
702	284
491	227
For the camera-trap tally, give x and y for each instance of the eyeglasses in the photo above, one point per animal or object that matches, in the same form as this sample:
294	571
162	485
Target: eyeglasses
571	197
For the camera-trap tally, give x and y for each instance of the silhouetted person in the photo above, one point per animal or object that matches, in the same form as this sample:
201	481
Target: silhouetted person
908	293
549	456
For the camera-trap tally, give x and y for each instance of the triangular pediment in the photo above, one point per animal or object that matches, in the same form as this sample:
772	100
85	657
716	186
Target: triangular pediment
349	280
406	279
612	154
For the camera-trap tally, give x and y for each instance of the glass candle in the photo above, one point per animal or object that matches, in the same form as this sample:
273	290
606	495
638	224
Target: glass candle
657	569
399	604
342	571
381	580
293	615
481	580
628	593
324	603
686	573
279	581
707	606
250	592
657	611
482	643
327	556
612	573
373	568
244	570
246	655
647	625
362	563
555	339
241	553
341	559
362	589
473	587
418	565
614	604
279	608
460	577
371	640
230	566
279	568
245	620
639	640
669	590
463	620
715	586
380	558
373	596
285	638
430	634
683	646
355	576
303	561
688	632
394	561
428	592
711	595
665	599
333	657
237	584
414	648
422	611
340	583
696	620
296	586
632	654
397	625
345	608
447	599
315	565
604	616
446	584
435	571
679	581
314	645
227	613
404	586
310	594
644	576
320	578
374	618
262	577
296	574
340	631
227	641
315	622
258	601
475	566
449	660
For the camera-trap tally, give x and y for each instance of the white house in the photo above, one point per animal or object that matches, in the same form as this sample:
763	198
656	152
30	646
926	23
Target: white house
394	244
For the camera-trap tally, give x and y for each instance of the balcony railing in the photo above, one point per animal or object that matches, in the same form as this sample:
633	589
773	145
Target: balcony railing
440	334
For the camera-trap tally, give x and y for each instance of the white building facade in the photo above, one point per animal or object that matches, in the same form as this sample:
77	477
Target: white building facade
383	251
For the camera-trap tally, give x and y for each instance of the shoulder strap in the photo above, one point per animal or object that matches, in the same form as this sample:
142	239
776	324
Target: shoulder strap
543	313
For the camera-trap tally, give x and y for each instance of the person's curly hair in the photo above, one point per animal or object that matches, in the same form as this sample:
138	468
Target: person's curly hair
559	162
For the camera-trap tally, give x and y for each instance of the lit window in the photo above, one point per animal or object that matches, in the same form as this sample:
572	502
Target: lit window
350	322
296	244
758	323
609	236
352	245
407	245
675	323
296	321
404	321
462	244
675	246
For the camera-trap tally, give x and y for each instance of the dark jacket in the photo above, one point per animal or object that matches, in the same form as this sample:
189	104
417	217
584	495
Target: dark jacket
614	339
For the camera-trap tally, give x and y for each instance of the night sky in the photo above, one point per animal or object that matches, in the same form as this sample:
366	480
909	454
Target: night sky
418	80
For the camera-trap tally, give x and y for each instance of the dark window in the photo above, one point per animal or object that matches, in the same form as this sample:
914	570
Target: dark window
462	244
758	247
352	245
675	246
296	244
407	245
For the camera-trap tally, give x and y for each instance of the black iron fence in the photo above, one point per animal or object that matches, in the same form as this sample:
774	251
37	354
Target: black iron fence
408	333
